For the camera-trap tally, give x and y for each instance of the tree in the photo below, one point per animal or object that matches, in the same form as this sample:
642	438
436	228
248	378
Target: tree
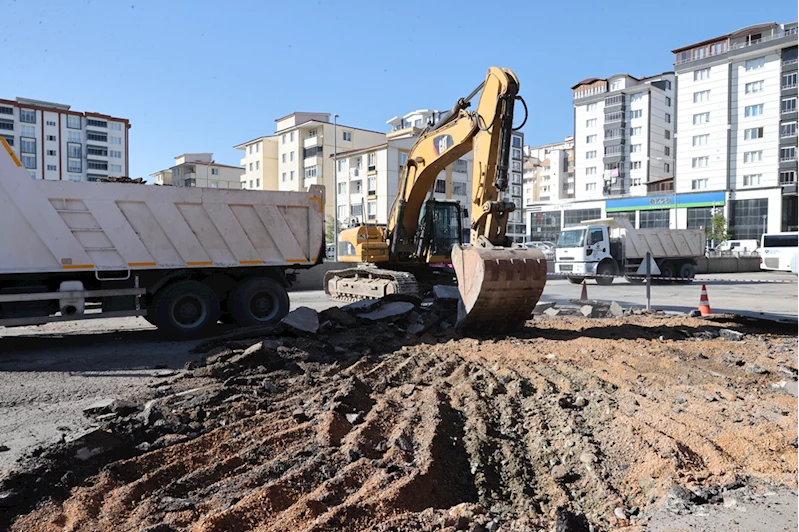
330	229
718	229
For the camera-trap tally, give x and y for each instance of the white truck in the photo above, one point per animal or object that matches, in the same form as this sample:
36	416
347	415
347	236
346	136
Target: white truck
612	246
183	258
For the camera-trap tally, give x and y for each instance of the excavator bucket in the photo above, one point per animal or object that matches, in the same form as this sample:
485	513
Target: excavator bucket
499	287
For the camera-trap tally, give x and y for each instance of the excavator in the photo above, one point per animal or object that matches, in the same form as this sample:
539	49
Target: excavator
499	283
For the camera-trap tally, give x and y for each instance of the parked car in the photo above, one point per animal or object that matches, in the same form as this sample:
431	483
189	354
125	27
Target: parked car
549	252
738	246
330	251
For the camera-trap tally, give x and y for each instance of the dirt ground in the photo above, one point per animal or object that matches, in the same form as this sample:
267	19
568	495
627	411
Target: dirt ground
569	424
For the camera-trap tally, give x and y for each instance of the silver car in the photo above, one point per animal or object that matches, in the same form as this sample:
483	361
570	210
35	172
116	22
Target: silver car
547	250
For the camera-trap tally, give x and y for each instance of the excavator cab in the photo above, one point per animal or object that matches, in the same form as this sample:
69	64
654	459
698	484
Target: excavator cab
439	230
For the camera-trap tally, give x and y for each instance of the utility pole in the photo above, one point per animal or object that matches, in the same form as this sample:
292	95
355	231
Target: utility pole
335	186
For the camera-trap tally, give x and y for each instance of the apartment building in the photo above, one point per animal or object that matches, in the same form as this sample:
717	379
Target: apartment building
54	142
368	178
260	164
199	170
736	128
548	179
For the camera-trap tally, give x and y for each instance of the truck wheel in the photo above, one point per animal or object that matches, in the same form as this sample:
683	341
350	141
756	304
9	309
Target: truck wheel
605	268
687	271
258	301
184	309
667	269
575	280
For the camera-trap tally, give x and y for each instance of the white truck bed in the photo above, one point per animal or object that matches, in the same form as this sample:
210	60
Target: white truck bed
661	243
57	226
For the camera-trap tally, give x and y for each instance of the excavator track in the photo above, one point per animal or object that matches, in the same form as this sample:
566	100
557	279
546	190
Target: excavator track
356	284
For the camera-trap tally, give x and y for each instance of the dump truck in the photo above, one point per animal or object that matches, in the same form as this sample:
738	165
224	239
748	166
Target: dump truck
183	258
612	246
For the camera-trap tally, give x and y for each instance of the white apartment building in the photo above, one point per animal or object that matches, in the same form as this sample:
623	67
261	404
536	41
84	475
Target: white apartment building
623	135
548	179
53	142
199	170
260	164
736	127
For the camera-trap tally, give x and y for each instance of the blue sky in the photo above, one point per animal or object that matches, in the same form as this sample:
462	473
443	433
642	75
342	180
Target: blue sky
204	76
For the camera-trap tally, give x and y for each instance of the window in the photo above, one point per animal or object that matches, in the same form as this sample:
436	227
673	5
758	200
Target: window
666	167
403	158
282	177
51	138
311	172
28	116
634	182
788	130
52	167
787	154
638	113
115	167
347	135
291	156
342	188
698	217
214	184
116	126
9	140
74	165
789	81
616	84
668	118
752	180
589	187
96	123
283	158
613	117
459	166
516	178
590	170
27	145
658	218
701	74
291	175
51	123
28	161
371	209
753	64
667	134
251	183
115	154
73	122
701	118
700	162
753	156
214	171
291	136
517	141
250	149
72	177
637	97
356	210
97	150
371	185
700	140
96	165
590	139
459	189
51	152
614	133
701	96
614	150
73	136
668	101
590	123
699	184
257	167
788	105
635	165
371	161
7	125
753	133
590	154
283	139
311	133
27	131
747	218
635	148
755	86
668	84
666	150
591	107
6	110
635	131
96	135
754	110
787	177
441	186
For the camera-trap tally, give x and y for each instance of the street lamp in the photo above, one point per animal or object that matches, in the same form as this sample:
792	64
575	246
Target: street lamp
764	224
335	187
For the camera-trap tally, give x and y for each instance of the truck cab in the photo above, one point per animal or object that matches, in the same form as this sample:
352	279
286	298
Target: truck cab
587	250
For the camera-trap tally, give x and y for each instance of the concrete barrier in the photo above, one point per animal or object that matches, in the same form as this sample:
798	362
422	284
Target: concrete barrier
727	264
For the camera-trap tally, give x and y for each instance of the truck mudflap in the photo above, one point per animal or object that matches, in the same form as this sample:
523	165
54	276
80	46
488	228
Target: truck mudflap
499	287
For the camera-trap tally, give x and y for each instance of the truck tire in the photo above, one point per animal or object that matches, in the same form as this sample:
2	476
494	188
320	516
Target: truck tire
667	269
688	271
575	280
258	301
605	268
184	309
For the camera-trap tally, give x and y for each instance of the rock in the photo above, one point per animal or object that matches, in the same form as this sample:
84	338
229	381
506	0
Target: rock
788	370
567	521
363	305
477	527
552	312
269	387
559	473
100	407
95	442
492	526
587	458
754	368
255	353
541	307
4	448
303	320
729	334
462	523
694	314
787	387
339	316
620	513
7	498
580	401
403	443
389	310
353	418
299	415
151	413
682	400
161	527
407	389
122	407
416	328
615	310
586	310
446	292
173	504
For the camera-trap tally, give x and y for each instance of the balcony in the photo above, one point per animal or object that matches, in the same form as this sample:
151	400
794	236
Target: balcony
311	142
786	62
787	158
316	160
767	38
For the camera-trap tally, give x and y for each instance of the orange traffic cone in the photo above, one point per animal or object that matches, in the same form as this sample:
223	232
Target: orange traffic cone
704	303
584	295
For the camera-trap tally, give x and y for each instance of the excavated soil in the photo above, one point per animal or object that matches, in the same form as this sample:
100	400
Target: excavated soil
366	427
